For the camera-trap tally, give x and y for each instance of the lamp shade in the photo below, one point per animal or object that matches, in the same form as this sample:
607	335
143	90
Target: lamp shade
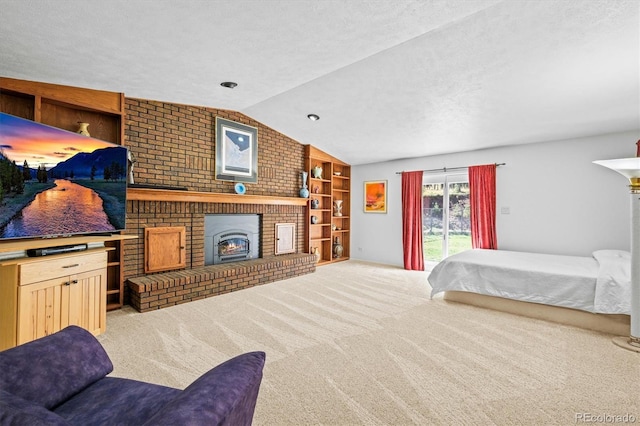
627	167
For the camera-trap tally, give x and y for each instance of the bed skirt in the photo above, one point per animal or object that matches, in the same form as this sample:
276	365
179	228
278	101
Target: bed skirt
616	324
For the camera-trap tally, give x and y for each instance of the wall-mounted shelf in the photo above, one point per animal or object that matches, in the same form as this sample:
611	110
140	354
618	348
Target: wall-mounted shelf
146	194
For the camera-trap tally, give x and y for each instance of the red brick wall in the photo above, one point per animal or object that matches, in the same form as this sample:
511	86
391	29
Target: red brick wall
174	145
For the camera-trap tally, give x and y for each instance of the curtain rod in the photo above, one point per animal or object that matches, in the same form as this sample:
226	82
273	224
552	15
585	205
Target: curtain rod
447	169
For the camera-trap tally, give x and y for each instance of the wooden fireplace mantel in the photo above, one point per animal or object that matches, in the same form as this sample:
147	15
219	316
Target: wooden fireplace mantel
147	194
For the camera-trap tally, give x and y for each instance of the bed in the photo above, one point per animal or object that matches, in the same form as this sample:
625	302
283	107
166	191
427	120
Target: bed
597	284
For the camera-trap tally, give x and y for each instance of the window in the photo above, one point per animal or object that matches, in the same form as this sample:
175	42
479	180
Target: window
445	215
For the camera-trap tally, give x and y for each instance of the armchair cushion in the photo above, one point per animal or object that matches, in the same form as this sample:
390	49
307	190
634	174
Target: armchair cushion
116	401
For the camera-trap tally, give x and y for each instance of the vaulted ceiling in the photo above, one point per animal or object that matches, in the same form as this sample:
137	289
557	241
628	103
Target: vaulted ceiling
389	79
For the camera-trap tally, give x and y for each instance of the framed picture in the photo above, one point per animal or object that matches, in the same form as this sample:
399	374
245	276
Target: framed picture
236	151
375	196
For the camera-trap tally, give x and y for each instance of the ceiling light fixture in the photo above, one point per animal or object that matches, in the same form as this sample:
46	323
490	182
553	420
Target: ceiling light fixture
313	117
228	84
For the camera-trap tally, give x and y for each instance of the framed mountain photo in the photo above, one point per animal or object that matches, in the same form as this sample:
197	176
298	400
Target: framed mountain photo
236	151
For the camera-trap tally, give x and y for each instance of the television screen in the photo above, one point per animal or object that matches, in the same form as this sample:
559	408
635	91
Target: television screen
58	183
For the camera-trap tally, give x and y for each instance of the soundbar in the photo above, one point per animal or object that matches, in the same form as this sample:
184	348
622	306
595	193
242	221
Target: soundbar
55	250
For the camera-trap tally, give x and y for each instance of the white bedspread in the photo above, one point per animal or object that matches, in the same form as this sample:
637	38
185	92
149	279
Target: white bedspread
613	284
599	284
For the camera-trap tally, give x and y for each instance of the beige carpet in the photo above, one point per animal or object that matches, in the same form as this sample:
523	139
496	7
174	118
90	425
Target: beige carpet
362	344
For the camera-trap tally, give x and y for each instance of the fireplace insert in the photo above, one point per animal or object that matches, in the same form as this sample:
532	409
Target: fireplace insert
231	238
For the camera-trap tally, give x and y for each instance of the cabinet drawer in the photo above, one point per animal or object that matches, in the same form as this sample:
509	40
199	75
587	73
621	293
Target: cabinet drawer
61	267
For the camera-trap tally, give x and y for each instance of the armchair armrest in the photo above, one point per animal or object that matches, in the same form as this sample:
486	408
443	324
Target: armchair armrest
51	369
225	395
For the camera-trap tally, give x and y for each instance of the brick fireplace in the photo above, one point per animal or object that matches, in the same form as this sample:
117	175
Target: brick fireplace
191	215
174	145
154	291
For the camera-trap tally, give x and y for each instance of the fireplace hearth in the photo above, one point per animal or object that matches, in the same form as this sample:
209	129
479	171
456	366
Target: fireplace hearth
231	238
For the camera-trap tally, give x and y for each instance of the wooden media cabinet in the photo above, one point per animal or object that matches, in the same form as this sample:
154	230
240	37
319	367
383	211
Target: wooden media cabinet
42	295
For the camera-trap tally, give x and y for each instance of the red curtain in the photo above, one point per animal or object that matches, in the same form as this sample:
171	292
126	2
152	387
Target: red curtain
412	221
482	188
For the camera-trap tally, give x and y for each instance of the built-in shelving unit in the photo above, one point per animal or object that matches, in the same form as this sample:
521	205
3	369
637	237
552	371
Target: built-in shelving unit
324	226
64	107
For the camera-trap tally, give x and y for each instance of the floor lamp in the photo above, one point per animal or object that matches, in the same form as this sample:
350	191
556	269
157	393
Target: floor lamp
630	168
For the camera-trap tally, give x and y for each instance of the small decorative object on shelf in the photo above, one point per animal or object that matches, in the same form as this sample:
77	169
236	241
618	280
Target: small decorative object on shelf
337	208
317	172
240	188
316	253
314	219
83	128
314	203
337	248
334	227
131	161
316	189
304	192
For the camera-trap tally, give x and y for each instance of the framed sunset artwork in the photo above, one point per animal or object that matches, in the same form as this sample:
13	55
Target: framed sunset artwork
375	196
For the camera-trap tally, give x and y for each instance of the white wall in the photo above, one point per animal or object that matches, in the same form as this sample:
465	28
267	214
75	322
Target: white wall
559	201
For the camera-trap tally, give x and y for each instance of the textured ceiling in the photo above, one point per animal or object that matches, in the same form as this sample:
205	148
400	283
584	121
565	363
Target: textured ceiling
390	79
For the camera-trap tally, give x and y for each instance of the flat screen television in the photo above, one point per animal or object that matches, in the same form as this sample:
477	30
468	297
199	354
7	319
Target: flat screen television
56	183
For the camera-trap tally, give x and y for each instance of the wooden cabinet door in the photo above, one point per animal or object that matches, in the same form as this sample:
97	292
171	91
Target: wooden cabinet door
93	287
285	238
39	309
50	306
164	248
84	302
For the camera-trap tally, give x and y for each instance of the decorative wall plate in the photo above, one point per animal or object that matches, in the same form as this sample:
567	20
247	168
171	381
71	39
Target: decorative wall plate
240	188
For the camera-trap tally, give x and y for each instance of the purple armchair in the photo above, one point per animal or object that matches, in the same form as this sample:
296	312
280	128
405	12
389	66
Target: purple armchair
61	379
